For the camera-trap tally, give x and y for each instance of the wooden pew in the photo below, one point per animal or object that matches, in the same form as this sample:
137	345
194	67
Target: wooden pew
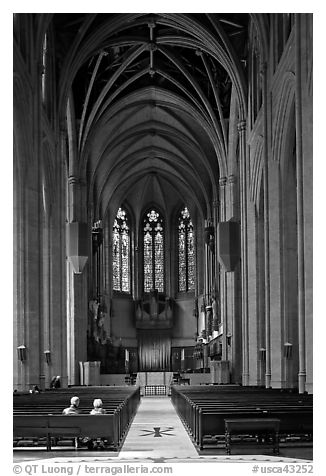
204	413
254	426
92	426
120	405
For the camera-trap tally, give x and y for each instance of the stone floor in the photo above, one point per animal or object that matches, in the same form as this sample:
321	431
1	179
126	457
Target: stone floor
158	435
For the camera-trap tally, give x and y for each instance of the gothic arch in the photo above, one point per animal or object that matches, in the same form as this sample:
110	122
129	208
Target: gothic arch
257	172
283	114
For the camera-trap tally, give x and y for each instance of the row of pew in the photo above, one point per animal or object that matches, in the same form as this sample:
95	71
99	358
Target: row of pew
39	416
204	410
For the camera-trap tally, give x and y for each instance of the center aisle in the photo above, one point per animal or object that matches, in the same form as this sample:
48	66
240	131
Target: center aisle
157	431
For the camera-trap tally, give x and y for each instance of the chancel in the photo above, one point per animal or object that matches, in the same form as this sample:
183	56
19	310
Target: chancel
163	223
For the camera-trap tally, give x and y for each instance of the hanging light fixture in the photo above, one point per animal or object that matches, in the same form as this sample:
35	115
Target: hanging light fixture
47	355
287	350
77	233
21	352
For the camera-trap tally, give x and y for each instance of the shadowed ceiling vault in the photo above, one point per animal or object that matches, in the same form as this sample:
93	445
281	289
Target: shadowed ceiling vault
148	95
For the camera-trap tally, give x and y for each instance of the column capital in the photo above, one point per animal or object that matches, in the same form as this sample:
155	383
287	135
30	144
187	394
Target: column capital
222	181
151	23
72	179
151	46
232	179
242	126
216	203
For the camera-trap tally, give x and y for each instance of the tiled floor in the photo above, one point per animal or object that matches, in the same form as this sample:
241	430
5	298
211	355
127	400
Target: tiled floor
158	432
158	435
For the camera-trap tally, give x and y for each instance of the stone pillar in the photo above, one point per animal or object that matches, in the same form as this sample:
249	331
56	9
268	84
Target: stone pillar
136	284
223	274
216	280
58	267
46	288
77	324
300	206
77	292
306	25
252	289
206	268
244	251
233	330
18	282
32	284
266	230
275	275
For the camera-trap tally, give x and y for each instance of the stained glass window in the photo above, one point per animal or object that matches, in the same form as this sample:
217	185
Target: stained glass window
121	252
153	251
186	252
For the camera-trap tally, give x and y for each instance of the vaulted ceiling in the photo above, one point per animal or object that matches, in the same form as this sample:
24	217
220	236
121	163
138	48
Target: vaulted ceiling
149	102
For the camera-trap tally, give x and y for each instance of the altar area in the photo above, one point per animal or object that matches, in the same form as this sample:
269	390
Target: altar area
154	383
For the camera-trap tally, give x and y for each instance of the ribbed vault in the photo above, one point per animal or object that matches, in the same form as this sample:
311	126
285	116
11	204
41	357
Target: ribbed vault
150	95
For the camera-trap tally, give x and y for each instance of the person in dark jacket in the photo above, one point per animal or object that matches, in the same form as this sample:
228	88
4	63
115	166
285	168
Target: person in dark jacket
73	409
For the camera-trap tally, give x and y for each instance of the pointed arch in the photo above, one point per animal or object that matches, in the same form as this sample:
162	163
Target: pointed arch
283	115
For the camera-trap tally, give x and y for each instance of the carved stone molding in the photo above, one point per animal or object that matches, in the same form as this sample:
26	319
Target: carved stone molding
222	181
232	179
242	126
151	46
73	180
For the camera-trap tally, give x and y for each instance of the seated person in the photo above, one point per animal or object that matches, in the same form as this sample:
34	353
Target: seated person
73	409
97	410
55	382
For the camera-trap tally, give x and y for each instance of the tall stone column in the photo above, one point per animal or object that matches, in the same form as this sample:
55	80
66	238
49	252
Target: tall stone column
54	275
223	288
27	281
244	251
268	371
77	292
59	294
18	282
232	332
47	301
206	269
216	280
275	266
30	273
300	206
